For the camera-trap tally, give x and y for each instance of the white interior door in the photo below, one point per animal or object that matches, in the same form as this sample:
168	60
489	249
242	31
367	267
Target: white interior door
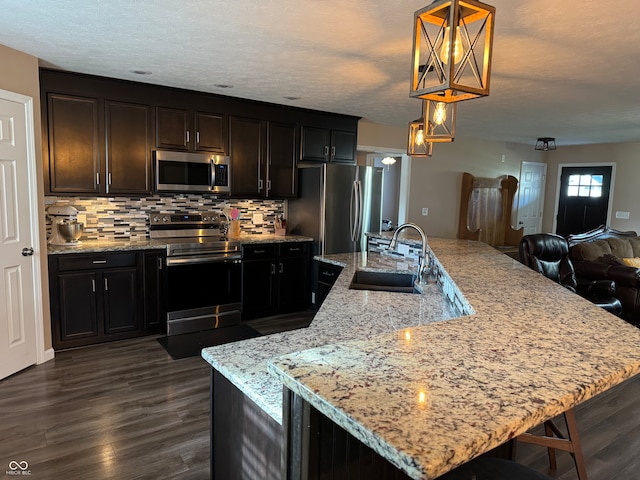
531	196
18	240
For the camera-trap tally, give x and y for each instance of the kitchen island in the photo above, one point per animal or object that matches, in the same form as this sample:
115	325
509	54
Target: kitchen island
428	394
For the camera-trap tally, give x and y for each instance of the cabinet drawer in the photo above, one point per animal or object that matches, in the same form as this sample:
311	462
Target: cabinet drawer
251	252
294	249
94	261
328	273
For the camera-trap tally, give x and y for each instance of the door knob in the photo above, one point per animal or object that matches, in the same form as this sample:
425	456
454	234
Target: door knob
27	251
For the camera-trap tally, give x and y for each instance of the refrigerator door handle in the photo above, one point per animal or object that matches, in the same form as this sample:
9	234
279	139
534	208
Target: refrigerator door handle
360	211
353	210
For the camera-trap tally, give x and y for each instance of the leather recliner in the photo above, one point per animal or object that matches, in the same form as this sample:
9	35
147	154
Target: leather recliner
548	254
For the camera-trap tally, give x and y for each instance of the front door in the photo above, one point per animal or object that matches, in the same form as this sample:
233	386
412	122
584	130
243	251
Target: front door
18	236
584	199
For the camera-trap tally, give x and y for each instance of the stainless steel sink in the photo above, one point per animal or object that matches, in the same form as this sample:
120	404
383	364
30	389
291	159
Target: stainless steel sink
384	281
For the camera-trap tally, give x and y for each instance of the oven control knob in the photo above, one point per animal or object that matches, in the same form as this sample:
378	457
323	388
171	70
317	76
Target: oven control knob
165	218
155	219
206	218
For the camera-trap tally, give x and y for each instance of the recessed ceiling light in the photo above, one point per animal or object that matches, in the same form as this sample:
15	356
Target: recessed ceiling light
222	85
292	98
141	72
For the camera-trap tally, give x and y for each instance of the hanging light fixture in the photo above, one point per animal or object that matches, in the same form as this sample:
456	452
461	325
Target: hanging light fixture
388	161
418	146
452	46
545	144
437	124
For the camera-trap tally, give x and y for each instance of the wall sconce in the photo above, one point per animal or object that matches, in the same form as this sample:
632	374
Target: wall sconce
452	46
545	144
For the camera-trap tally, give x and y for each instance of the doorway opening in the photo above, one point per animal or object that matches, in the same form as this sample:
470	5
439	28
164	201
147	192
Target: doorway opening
583	199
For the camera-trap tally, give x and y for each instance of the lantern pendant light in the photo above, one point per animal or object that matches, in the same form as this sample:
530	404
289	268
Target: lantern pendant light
452	46
437	124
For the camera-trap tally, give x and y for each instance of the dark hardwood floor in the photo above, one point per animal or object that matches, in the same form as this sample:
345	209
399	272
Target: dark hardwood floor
126	410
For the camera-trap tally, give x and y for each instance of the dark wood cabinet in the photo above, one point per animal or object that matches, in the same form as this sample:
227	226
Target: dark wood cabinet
275	278
154	306
95	298
247	150
282	161
73	160
327	276
128	151
189	130
99	135
96	146
328	145
258	281
264	158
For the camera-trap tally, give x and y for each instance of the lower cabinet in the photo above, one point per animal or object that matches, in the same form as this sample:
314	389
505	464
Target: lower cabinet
327	276
97	298
275	278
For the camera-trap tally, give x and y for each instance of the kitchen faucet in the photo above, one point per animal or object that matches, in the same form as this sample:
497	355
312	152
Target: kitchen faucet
424	264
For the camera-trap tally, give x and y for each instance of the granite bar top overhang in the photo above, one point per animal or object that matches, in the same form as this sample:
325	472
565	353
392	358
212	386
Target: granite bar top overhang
458	388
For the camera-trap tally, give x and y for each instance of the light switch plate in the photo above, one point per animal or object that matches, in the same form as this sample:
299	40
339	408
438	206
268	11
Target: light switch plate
257	219
425	211
623	215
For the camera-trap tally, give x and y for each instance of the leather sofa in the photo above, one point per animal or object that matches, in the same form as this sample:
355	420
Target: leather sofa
608	254
548	254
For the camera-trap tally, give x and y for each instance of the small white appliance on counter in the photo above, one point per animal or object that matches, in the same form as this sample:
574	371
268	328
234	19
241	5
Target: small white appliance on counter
65	228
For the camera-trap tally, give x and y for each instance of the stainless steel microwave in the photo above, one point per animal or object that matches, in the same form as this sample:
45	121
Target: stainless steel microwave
192	172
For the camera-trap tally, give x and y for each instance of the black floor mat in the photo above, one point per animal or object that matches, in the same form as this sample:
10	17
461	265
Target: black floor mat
190	344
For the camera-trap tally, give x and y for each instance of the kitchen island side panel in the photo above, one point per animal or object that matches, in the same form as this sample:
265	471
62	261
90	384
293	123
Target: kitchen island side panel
245	441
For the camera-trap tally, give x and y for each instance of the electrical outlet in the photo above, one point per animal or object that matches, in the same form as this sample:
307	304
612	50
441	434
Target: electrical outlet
425	211
623	215
257	219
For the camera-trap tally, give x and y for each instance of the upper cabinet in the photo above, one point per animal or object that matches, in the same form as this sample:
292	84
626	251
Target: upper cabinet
128	149
190	130
99	135
328	145
73	144
264	158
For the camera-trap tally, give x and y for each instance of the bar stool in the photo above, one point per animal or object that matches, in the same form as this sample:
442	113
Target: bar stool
489	468
570	443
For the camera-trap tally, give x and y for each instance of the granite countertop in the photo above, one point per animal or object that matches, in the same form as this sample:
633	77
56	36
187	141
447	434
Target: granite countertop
455	389
96	246
345	314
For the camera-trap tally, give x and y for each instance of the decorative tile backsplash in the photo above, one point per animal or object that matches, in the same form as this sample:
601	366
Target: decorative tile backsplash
122	218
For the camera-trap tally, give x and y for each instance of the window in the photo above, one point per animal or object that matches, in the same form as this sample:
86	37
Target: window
585	186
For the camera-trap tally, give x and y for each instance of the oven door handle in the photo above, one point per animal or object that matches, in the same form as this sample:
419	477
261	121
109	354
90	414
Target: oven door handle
203	259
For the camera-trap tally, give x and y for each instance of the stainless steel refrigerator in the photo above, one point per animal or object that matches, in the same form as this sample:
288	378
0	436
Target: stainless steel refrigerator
337	205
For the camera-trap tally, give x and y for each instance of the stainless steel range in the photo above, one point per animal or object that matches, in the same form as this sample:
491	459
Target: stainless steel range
203	274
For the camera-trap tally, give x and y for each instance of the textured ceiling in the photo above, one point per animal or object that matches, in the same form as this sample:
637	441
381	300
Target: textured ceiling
565	69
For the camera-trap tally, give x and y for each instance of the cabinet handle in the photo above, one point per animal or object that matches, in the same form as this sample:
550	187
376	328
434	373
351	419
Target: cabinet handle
294	249
268	185
198	137
109	179
258	251
273	269
93	285
159	263
187	136
259	184
328	274
333	152
106	284
99	261
326	150
281	267
97	178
